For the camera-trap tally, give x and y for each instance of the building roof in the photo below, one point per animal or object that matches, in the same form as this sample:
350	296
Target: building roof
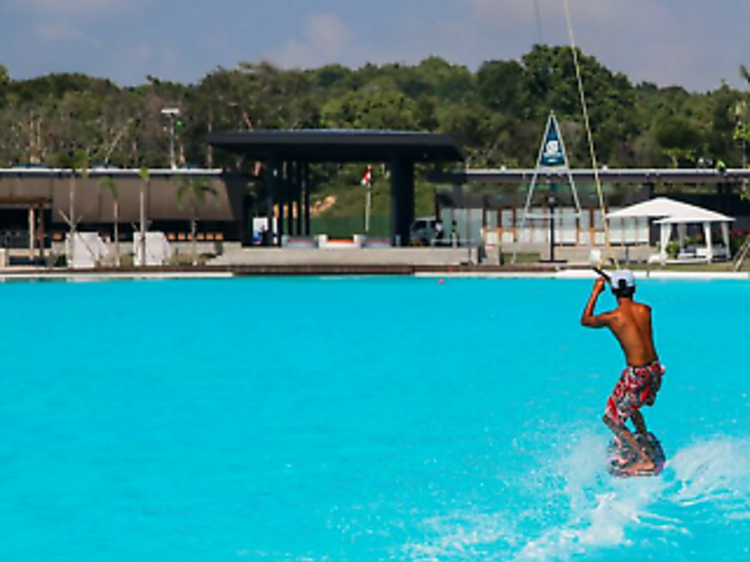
93	204
339	145
616	175
97	172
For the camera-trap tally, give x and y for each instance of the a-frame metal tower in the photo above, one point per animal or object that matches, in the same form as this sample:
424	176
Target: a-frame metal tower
552	156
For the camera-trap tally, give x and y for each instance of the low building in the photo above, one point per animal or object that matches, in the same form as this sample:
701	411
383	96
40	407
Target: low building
44	201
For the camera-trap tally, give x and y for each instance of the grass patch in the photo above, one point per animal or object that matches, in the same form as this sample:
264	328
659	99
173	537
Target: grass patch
716	267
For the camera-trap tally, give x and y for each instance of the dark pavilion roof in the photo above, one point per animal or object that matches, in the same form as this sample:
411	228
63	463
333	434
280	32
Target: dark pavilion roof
328	145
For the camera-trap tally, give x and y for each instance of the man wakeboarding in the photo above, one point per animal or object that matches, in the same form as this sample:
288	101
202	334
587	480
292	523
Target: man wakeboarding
639	383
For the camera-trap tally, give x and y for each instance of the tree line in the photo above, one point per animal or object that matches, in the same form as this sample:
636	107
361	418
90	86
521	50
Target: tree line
497	113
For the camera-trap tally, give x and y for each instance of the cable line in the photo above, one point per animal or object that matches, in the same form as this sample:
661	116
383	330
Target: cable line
538	22
589	136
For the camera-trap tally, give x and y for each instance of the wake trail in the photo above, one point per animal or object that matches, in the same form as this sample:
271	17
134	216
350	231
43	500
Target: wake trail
609	513
576	508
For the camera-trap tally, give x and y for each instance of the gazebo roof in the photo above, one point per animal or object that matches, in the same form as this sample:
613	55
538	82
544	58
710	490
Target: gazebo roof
669	211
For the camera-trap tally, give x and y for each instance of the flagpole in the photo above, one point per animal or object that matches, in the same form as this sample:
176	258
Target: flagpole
367	184
368	206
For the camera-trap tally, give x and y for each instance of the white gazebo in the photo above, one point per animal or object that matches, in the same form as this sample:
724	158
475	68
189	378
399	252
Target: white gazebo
668	213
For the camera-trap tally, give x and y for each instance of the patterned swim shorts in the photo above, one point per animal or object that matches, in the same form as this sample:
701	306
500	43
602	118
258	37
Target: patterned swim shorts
637	386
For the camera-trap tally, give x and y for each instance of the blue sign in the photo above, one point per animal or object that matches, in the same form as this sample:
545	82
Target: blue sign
553	150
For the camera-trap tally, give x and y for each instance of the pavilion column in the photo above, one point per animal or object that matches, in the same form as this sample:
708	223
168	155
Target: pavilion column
402	200
298	191
41	232
283	189
272	177
32	232
307	185
291	183
665	234
725	236
709	242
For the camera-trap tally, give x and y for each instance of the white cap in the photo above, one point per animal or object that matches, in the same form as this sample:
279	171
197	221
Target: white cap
622	277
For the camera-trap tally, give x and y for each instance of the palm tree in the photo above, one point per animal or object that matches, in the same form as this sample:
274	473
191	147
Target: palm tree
108	184
194	190
79	163
145	176
741	115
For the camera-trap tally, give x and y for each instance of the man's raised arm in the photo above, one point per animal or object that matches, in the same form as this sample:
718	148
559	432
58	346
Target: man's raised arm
588	318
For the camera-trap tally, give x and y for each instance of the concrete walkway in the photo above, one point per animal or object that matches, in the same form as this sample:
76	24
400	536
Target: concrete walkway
590	274
343	257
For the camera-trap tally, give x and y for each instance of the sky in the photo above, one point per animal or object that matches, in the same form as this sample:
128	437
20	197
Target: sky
695	44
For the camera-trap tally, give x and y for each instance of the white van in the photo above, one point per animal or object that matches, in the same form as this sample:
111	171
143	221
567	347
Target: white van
427	231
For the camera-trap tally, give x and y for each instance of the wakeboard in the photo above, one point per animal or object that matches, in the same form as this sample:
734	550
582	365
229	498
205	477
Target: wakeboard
621	456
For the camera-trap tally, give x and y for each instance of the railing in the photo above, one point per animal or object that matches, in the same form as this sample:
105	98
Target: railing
742	254
13	240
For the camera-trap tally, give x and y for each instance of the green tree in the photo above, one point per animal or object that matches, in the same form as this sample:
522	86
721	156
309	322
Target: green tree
500	85
79	164
379	106
107	184
332	78
741	113
679	140
447	82
497	112
4	82
145	176
745	74
472	126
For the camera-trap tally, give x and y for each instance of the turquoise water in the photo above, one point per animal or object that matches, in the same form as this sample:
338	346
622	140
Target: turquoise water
361	420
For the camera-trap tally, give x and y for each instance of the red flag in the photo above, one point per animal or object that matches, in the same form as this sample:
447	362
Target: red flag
367	178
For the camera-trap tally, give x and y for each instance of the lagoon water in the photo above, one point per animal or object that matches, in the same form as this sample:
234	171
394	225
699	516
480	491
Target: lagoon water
361	420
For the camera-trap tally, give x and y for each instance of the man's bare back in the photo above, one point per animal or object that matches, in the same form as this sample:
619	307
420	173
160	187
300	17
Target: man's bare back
630	323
